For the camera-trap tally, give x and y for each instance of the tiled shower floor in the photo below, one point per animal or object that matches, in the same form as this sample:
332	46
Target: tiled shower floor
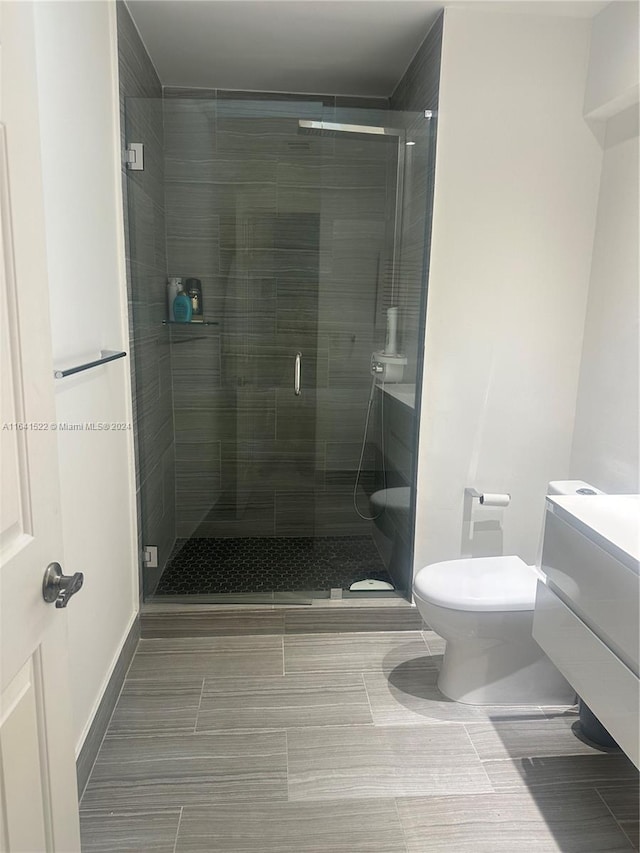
340	743
214	566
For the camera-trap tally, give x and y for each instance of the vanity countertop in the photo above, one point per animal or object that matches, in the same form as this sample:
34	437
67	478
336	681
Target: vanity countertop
611	521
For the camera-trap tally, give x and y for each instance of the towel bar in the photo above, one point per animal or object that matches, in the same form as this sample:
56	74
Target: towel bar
105	356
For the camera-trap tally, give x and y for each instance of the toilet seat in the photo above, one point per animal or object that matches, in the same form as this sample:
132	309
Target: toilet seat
479	584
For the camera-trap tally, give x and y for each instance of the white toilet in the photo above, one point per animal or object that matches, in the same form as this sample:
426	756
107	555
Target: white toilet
483	608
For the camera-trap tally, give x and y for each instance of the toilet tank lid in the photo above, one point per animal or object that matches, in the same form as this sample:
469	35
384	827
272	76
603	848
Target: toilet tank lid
478	583
570	487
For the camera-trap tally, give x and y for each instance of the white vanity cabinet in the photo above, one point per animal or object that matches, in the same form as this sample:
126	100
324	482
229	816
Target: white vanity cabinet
587	613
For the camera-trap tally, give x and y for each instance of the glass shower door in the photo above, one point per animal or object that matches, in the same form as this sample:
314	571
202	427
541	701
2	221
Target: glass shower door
246	450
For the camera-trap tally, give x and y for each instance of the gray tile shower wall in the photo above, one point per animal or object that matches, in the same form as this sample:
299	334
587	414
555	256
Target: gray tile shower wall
286	233
143	193
416	92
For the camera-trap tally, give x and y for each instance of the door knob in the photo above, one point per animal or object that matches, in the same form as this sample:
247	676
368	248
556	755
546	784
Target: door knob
58	587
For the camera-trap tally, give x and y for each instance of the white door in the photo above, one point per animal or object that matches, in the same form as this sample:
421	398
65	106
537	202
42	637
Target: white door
38	801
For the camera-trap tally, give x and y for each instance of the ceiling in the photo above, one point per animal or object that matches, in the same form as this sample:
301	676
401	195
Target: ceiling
356	47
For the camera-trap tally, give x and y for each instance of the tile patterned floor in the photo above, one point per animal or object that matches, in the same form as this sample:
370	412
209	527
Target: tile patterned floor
340	743
217	566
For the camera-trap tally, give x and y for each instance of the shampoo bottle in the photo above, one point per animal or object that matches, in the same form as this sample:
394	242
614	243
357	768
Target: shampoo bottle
182	308
174	286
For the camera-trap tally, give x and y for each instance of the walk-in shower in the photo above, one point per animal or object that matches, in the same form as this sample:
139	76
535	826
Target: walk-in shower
300	222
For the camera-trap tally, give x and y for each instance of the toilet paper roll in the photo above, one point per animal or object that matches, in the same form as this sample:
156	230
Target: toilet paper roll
489	499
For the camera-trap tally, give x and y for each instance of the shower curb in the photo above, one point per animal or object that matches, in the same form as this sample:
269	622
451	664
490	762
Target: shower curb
165	621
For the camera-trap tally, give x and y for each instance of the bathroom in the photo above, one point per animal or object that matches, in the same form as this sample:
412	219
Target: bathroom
409	233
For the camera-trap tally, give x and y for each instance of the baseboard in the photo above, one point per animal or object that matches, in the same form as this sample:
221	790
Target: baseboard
97	730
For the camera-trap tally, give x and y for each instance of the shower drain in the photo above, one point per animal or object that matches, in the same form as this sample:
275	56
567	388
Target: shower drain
370	583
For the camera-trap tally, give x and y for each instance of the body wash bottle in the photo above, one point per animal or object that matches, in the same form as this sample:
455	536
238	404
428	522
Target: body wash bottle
174	286
182	308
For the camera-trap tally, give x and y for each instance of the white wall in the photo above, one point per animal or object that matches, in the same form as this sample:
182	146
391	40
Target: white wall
605	444
516	185
614	69
77	78
606	437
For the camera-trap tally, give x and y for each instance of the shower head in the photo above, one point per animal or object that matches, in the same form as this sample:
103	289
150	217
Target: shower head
330	128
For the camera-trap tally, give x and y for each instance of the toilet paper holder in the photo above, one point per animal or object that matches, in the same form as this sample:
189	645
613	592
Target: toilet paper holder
488	498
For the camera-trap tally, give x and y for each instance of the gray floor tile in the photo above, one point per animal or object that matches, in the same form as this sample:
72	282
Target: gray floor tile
365	761
434	642
376	652
229	643
577	771
132	773
367	619
569	711
155	707
623	801
327	827
207	657
345	703
526	738
631	829
503	823
409	695
147	832
276	702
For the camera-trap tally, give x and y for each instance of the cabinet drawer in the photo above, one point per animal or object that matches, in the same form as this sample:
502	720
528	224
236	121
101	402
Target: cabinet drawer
608	687
600	589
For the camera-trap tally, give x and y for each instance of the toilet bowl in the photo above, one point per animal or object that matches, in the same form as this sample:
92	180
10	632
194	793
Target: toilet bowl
483	608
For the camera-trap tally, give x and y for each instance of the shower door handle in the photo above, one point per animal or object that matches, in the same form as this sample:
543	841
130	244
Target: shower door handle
296	374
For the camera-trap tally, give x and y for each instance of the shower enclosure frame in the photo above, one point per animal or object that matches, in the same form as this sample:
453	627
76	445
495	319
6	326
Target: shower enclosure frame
334	128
